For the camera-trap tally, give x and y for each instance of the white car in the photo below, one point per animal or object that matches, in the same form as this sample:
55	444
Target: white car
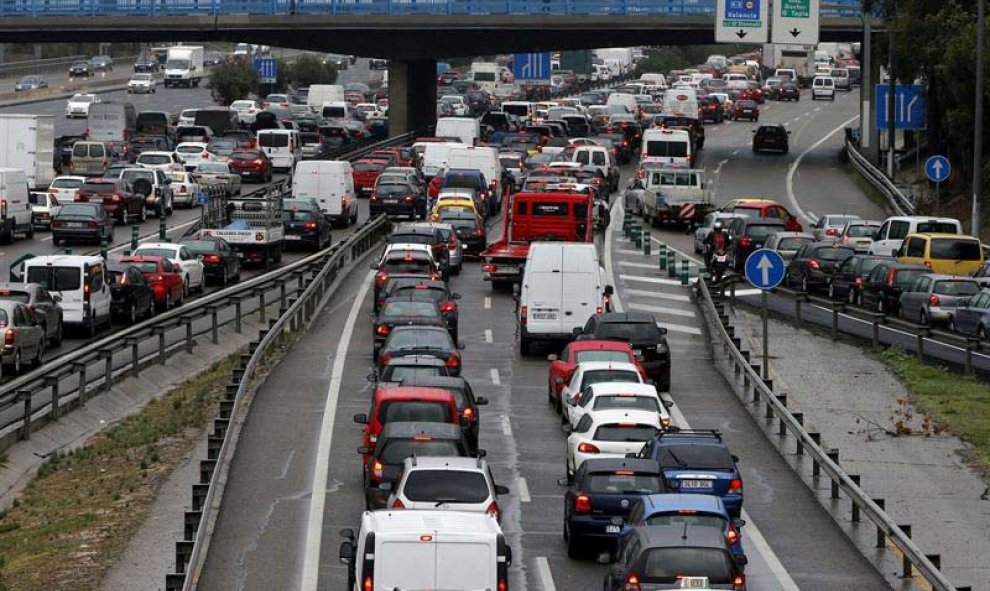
597	372
192	153
247	110
218	173
179	255
447	484
187	117
184	188
609	434
407	247
156	160
64	188
456	103
141	82
614	396
78	105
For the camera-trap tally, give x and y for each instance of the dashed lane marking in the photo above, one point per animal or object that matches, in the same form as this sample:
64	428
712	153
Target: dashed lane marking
488	335
673	297
546	577
662	310
496	379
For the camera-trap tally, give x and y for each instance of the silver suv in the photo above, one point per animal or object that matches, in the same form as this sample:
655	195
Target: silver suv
447	483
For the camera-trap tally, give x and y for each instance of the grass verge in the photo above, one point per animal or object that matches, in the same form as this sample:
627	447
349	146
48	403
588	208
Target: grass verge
871	192
76	516
956	403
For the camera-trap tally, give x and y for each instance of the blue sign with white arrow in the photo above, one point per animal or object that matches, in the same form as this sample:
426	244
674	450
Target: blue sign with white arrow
765	268
909	106
531	67
267	69
937	168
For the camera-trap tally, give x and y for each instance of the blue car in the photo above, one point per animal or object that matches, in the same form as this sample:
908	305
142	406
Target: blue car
599	497
972	317
698	462
687	509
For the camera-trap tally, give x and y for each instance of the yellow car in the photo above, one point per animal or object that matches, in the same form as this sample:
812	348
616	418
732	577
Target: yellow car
949	254
456	203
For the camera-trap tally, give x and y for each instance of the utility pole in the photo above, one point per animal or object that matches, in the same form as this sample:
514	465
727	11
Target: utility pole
978	110
866	86
891	107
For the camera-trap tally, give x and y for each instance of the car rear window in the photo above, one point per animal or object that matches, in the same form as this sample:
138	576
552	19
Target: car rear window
420	339
861	231
155	252
638	332
937	228
414	410
154	159
425	293
957	288
98	187
698	457
792	243
144	266
955	249
621	482
598	376
625	432
414	266
413	308
396	238
666	565
462	181
763	230
618	401
451	486
54	278
831	253
397	450
273	140
368	166
600	355
682	518
66	183
401	372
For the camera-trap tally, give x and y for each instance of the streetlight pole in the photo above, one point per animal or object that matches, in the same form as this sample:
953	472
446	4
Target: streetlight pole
978	111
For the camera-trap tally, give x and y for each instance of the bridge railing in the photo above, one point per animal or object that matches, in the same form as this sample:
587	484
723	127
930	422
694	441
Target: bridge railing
138	8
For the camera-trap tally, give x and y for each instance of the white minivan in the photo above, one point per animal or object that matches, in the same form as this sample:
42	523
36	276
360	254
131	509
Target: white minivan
80	284
426	550
667	146
823	87
435	158
626	100
465	129
563	285
282	146
16	212
894	229
331	184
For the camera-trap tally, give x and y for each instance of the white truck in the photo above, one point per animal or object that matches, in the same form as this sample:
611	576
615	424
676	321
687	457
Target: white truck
184	66
675	196
800	58
618	58
486	75
251	224
27	142
320	94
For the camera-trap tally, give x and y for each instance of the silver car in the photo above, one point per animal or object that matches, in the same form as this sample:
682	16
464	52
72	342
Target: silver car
859	234
932	298
702	233
24	337
447	483
788	243
455	249
829	226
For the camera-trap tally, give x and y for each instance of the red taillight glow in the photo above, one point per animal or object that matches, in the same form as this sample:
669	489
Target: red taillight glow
8	336
448	307
377	470
380	278
368	584
859	282
735	487
382	330
933	300
739	582
487	267
831	232
310	225
492	509
453	361
397	504
588	448
632	583
813	264
211	258
890	278
744	241
524	314
468	413
582	504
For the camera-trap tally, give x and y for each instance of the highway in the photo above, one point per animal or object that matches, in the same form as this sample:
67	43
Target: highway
280	522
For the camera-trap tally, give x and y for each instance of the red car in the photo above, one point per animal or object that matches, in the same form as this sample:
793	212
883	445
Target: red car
389	155
251	164
753	207
562	368
121	202
165	279
409	404
365	173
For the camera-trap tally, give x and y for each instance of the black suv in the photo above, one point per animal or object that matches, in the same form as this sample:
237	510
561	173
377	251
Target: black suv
749	234
467	402
432	290
425	234
771	137
639	329
696	549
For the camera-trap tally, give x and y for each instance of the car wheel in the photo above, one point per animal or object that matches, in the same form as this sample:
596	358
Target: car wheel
224	277
185	288
132	313
15	367
56	240
57	340
952	324
573	550
525	346
39	356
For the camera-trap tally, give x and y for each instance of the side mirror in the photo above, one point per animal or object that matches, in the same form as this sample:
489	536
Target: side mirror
371	377
460	346
663	330
455	296
577	331
346	552
552	357
566	428
501	490
375	266
609	290
481	401
361	418
56	297
563	482
632	455
364	451
735	458
347	533
668	403
738	522
481	453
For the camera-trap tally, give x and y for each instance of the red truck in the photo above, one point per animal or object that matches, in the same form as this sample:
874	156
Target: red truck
554	213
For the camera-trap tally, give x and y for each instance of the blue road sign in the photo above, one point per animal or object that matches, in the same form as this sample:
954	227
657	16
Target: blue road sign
909	106
267	69
742	10
765	268
201	198
937	168
531	67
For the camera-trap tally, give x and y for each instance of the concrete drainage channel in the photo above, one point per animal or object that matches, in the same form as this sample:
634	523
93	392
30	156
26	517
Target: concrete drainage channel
759	395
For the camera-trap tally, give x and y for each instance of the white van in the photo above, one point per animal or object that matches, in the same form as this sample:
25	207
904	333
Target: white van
669	146
331	184
465	129
282	146
479	158
435	158
823	87
681	101
658	80
841	78
521	109
426	550
15	205
626	100
486	75
894	229
320	94
80	283
563	285
334	110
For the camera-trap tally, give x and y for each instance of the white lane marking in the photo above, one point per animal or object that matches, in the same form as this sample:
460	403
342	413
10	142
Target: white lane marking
546	577
488	335
662	310
507	427
655	267
317	502
812	214
718	169
616	301
46	239
734	152
632	251
797	162
680	328
523	490
650	279
488	303
683	254
659	295
496	379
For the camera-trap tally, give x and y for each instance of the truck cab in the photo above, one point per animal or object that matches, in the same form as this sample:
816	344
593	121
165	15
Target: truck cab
675	195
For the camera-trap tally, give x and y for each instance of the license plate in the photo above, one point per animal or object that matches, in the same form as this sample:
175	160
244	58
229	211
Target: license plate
505	269
292	237
696	484
544	315
73	224
694	583
245	173
612	529
393	200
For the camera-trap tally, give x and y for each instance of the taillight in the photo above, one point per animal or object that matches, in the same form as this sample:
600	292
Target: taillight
160	278
813	264
588	448
453	361
582	504
211	258
369	584
929	265
598	310
377	470
739	582
408	198
735	487
310	225
492	509
732	534
523	314
448	307
933	300
380	278
859	282
831	232
890	278
205	154
86	289
745	241
182	188
115	197
480	233
91	225
8	336
382	330
397	504
487	267
632	583
468	413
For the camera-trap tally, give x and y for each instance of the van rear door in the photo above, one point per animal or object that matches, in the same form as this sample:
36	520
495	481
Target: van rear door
465	561
407	561
579	288
544	284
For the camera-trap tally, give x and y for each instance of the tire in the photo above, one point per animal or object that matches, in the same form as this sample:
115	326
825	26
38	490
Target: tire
56	240
30	232
91	327
57	340
573	549
16	366
224	278
952	324
550	399
525	346
132	314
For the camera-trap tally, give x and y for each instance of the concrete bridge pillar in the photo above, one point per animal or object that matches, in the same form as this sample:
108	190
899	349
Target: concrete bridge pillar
412	95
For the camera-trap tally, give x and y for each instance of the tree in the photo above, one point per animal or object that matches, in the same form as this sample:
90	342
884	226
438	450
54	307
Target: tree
307	70
231	82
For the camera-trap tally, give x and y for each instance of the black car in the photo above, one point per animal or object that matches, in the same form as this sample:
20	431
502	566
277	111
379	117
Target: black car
45	306
421	340
467	402
433	290
306	226
639	329
788	91
410	367
150	143
400	440
132	297
620	145
80	69
749	234
814	263
79	222
882	288
771	137
403	311
335	136
711	109
423	234
693	550
221	264
398	199
849	279
469	228
144	64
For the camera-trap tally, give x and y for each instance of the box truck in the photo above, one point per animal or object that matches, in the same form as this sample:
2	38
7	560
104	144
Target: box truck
184	66
27	142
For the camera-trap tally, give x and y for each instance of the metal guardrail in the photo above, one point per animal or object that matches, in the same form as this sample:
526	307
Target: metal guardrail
191	552
12	69
40	8
823	460
876	177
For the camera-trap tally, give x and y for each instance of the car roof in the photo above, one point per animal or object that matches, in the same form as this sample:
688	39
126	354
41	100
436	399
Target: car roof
600	345
416	361
683	501
609	388
942	235
457	463
412	393
613	464
624	415
405	429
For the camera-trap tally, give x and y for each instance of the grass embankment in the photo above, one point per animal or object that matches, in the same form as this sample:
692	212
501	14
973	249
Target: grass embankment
76	516
956	403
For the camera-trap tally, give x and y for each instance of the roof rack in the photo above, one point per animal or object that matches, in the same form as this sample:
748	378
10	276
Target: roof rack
700	433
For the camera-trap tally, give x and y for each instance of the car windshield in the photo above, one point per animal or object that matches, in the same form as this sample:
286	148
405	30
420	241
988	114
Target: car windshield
397	450
420	339
449	486
649	403
155	252
55	278
145	267
682	518
625	432
630	331
667	565
957	288
414	410
601	355
411	308
956	249
861	231
623	483
598	376
200	246
697	457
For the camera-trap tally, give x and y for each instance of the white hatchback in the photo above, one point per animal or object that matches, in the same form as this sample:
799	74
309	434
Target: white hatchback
823	87
78	105
609	434
65	188
447	484
614	396
598	372
192	153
